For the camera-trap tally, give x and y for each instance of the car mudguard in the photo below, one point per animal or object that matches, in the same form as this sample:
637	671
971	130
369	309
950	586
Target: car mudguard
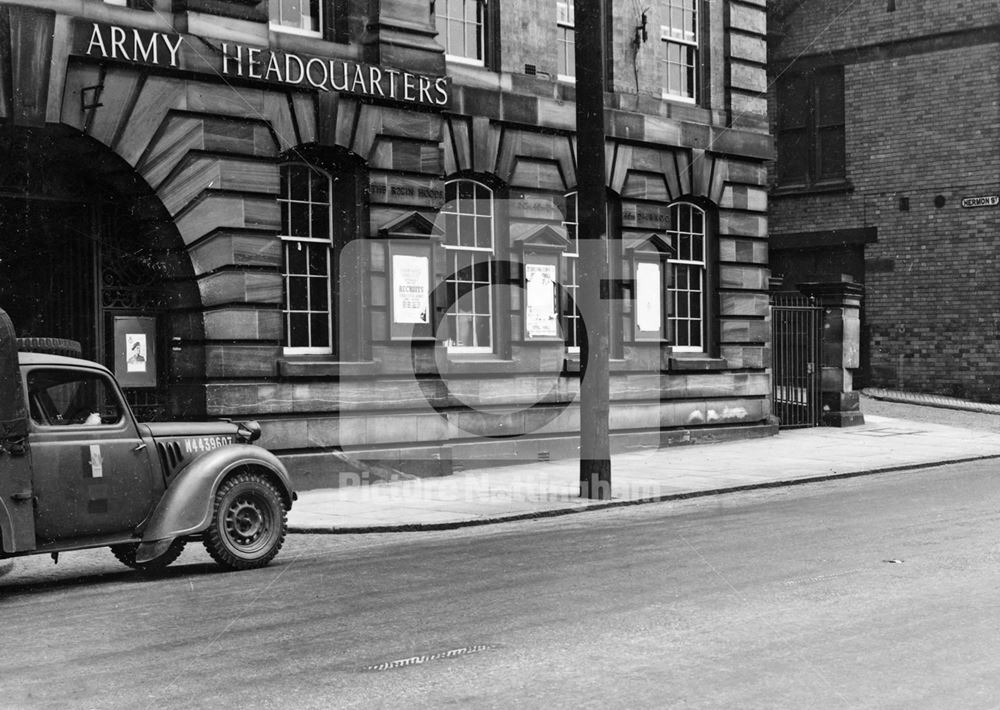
186	506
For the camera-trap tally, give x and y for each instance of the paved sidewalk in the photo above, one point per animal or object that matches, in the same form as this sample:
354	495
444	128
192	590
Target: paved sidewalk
551	488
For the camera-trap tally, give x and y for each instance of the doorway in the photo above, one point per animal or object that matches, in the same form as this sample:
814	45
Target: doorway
48	269
83	240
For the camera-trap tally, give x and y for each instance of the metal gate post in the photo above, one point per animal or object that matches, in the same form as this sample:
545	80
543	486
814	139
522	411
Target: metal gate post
841	348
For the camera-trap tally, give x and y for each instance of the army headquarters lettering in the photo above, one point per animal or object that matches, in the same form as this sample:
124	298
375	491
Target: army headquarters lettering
134	45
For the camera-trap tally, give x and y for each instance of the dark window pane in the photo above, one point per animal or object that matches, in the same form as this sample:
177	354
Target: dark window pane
482	271
831	153
684	248
298	294
683	218
793	103
697	249
300	220
451	229
466	225
793	156
830	98
483	338
320	187
298	332
317	260
298	177
320	222
320	330
484	236
296	254
318	296
482	197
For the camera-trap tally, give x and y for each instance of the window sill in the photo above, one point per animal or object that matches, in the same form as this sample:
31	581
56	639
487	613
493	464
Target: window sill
571	365
460	364
680	362
820	188
310	367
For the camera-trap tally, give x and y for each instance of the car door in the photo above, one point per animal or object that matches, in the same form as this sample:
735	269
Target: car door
91	472
17	524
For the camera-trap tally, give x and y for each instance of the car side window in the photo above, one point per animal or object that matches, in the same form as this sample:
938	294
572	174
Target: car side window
74	398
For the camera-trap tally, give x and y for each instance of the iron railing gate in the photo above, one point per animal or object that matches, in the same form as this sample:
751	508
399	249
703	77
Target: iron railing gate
796	325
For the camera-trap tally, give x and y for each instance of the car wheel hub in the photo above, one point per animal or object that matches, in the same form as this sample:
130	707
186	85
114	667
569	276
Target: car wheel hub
246	522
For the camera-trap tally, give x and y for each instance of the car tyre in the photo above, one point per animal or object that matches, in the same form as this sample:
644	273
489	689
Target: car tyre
248	522
126	555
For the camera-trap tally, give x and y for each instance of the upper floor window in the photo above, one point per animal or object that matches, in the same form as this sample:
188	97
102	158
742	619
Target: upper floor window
688	274
810	128
566	41
461	26
306	227
469	243
297	16
680	42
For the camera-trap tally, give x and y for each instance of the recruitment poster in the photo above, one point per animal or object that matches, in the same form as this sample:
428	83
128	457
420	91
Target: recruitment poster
541	317
410	288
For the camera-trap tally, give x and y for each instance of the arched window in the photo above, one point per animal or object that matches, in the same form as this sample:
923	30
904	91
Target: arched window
469	244
687	294
306	228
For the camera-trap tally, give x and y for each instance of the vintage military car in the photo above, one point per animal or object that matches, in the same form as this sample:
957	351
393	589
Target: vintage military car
78	471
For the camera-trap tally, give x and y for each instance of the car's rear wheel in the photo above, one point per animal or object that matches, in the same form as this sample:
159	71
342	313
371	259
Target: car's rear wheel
248	523
126	555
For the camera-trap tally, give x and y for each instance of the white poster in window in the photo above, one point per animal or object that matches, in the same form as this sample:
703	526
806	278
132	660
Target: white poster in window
541	319
648	316
135	352
410	284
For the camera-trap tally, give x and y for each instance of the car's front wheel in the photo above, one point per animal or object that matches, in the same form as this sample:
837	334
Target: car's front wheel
248	523
126	555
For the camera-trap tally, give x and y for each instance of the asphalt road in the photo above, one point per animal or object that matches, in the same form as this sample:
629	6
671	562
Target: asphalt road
877	592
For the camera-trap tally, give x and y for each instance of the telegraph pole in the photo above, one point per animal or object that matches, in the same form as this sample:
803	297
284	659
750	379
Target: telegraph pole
594	292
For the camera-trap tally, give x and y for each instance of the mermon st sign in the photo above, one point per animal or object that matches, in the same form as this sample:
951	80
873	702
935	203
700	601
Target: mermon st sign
170	50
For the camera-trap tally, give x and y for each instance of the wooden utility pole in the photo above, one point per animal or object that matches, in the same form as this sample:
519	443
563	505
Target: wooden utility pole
594	292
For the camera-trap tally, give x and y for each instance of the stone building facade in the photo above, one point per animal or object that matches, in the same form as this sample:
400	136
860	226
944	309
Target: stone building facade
355	221
887	124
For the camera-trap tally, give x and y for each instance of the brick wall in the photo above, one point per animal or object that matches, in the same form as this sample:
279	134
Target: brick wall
924	127
819	26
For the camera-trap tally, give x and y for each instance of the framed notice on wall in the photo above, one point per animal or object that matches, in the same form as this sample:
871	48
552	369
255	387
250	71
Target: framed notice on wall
135	351
409	281
541	316
648	300
541	296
